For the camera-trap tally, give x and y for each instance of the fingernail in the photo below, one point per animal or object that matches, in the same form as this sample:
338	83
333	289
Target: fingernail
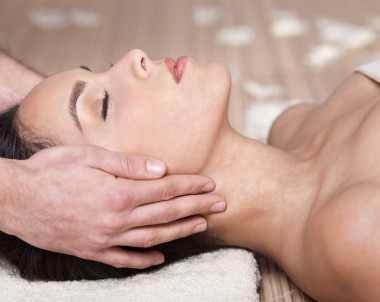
155	166
218	206
200	228
209	187
159	261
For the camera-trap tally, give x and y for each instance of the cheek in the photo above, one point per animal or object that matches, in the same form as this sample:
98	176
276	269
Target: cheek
177	126
209	92
163	132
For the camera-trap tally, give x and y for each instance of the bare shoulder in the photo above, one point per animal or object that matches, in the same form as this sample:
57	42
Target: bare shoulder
341	246
354	207
300	123
288	123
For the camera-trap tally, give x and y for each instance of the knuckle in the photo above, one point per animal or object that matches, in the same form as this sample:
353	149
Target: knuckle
198	204
130	196
167	215
118	264
99	241
181	233
117	200
196	186
111	225
151	240
198	209
128	164
168	190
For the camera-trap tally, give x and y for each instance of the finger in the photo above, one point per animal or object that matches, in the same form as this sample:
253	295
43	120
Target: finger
115	163
177	208
152	235
120	258
125	165
167	188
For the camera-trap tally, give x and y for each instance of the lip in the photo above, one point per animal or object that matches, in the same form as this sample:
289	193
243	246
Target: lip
176	68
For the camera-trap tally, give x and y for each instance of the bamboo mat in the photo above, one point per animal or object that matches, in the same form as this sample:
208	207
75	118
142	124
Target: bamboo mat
167	28
276	286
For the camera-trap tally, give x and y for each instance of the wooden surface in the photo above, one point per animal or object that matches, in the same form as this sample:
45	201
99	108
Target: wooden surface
165	28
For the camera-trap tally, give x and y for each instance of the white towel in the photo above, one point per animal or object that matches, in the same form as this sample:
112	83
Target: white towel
371	70
224	275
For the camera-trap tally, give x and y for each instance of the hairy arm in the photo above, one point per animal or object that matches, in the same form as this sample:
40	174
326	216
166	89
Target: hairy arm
67	199
16	80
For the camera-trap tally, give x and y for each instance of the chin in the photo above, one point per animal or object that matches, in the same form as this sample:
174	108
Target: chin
218	86
205	118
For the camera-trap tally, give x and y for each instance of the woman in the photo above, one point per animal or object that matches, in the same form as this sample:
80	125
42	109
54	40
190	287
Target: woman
308	200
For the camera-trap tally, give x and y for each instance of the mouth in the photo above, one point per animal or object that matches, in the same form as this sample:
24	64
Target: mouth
176	68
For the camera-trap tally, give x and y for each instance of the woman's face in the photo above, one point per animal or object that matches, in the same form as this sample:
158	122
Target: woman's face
137	106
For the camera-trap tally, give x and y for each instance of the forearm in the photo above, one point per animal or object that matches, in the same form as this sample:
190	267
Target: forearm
9	179
16	80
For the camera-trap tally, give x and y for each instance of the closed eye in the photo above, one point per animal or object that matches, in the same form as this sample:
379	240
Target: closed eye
85	68
105	106
105	103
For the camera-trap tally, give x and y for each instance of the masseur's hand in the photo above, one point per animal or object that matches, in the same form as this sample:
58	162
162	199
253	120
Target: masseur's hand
68	200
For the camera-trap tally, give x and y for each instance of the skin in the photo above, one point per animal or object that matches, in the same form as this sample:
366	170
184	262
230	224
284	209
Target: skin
16	81
308	200
104	198
140	102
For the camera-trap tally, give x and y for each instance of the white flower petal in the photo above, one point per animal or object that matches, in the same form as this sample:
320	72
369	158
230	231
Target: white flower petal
48	18
206	15
235	36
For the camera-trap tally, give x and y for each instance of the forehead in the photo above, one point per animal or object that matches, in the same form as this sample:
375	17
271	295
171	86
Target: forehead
45	109
57	86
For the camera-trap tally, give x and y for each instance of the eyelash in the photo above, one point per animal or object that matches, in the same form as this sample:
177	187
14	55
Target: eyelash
105	105
85	68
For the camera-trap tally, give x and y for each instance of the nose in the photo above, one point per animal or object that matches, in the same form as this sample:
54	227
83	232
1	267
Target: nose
137	62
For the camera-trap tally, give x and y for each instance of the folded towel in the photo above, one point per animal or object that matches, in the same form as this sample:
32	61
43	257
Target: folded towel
224	275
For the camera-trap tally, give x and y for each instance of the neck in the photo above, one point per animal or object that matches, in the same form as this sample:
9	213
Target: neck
267	192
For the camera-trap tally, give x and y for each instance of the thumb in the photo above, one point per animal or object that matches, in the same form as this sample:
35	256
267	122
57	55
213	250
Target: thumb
125	165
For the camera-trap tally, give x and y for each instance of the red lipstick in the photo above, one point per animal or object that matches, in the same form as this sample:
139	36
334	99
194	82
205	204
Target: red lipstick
176	68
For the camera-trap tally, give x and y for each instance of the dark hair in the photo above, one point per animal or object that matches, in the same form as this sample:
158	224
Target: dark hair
18	142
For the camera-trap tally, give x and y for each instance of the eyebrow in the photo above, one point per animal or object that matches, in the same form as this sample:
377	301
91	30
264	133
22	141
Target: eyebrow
75	93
